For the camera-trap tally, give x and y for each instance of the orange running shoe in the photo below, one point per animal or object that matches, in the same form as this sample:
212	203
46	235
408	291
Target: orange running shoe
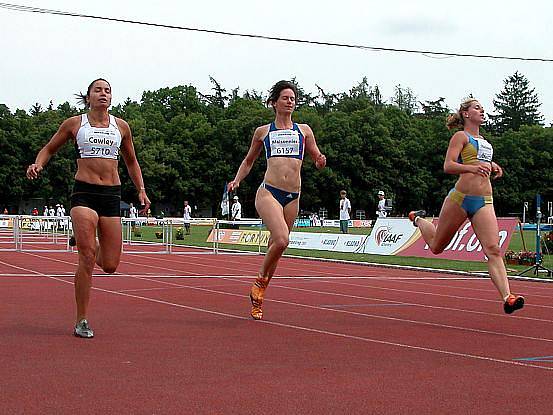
414	214
513	303
256	297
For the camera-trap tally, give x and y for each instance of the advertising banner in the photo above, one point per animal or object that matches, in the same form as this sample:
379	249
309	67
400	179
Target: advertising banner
464	245
390	236
240	237
352	223
327	241
298	240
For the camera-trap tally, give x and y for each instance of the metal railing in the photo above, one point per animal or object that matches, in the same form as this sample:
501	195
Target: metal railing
51	234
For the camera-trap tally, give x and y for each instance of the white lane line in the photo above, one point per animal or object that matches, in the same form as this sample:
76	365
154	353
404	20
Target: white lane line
313	330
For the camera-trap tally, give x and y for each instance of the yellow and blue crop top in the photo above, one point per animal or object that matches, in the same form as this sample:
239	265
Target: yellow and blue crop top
284	143
476	150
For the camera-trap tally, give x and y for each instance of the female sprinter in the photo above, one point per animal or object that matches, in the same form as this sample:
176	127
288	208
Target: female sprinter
470	156
277	199
98	138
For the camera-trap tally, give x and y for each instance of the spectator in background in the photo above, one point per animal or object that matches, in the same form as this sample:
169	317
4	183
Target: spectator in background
187	215
133	211
381	209
34	212
45	211
345	211
236	209
51	211
133	214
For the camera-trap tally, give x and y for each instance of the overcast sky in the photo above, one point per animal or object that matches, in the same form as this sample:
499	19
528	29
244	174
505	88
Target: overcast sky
47	57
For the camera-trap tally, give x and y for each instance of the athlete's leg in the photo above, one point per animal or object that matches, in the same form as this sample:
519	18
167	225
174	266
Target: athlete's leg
272	214
484	223
451	218
290	214
109	243
85	221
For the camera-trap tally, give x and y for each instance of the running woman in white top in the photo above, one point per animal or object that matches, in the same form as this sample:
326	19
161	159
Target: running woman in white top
95	203
277	199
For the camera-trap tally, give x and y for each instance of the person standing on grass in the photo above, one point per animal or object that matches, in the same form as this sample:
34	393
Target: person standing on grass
99	138
187	215
277	199
381	208
345	212
469	155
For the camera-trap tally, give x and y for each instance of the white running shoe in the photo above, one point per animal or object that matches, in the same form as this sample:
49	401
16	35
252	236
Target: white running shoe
83	330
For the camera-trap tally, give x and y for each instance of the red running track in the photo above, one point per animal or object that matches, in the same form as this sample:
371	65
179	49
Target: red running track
173	336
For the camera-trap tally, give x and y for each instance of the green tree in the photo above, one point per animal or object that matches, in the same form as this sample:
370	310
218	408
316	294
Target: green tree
516	105
434	108
405	99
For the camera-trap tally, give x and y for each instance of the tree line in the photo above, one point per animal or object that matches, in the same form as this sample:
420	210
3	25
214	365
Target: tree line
190	144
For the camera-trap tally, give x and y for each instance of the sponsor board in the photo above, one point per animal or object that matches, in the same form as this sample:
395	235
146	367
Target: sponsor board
326	241
355	223
390	235
298	240
302	223
464	245
239	237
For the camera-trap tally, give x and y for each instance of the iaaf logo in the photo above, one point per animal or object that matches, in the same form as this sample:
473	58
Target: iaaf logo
384	236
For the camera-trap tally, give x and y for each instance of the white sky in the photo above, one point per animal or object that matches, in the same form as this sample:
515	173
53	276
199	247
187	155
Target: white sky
47	57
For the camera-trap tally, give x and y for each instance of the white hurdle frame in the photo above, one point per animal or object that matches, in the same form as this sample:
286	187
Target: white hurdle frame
48	228
25	227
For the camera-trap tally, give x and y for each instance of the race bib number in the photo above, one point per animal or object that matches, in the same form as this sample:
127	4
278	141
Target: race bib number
485	150
101	143
284	143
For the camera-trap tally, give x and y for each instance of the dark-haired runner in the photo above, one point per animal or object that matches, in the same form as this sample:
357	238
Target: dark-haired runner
277	199
99	138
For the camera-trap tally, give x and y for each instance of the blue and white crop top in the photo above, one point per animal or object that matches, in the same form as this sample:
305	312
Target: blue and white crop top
284	143
477	149
98	142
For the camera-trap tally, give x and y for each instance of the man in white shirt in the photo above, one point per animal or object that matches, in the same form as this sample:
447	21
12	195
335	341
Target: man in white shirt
133	211
345	211
381	209
187	215
236	209
60	211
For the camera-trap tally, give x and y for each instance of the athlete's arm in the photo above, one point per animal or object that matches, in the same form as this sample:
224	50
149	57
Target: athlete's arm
129	157
452	166
251	157
64	134
312	148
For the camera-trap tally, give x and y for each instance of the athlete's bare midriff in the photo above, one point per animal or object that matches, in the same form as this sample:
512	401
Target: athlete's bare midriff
284	173
98	171
473	184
